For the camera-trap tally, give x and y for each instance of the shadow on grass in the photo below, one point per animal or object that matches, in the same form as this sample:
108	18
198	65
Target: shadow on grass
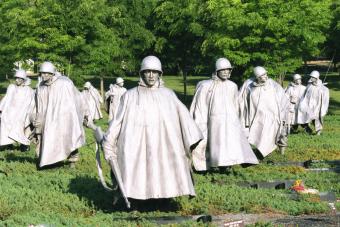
13	157
333	81
150	205
334	106
89	189
53	166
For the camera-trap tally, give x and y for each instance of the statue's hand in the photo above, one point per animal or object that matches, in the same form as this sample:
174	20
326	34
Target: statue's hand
37	124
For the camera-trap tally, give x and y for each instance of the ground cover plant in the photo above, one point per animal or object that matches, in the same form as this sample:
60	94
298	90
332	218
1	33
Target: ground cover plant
74	197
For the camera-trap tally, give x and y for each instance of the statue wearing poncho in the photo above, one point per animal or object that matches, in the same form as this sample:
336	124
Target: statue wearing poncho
150	137
113	96
15	108
93	100
59	117
215	110
295	91
314	104
264	105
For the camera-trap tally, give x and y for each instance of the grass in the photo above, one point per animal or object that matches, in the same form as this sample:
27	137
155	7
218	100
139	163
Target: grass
74	197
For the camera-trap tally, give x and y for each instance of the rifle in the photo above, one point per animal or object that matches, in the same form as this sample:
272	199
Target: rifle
329	66
98	134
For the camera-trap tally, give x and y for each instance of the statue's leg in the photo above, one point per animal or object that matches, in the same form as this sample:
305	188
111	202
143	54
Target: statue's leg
73	158
318	126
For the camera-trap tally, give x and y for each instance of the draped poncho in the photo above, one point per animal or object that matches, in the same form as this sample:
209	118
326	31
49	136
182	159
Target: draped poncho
93	100
61	109
264	107
314	104
295	93
15	107
151	136
113	97
215	110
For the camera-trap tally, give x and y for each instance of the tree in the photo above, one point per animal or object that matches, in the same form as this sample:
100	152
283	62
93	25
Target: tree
81	36
135	30
34	30
178	34
105	37
275	33
333	44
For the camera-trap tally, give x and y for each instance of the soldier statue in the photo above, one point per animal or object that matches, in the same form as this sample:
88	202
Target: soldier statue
15	109
264	105
215	110
149	140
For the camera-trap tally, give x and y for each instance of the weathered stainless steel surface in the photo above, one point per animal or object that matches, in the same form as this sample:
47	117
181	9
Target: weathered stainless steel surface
263	105
15	109
215	110
151	136
295	91
314	104
113	95
60	115
93	101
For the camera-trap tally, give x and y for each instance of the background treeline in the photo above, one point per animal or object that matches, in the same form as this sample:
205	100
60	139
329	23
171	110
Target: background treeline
110	37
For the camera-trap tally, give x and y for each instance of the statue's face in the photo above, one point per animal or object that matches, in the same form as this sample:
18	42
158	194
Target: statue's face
262	79
297	82
46	76
313	80
19	81
150	77
224	74
121	84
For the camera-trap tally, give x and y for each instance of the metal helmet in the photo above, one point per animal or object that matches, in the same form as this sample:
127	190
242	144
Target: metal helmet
119	80
222	63
47	67
87	84
315	74
259	71
296	77
20	74
151	63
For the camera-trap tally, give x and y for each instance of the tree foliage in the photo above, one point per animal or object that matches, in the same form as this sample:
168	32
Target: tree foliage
82	36
276	33
333	42
105	37
179	35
